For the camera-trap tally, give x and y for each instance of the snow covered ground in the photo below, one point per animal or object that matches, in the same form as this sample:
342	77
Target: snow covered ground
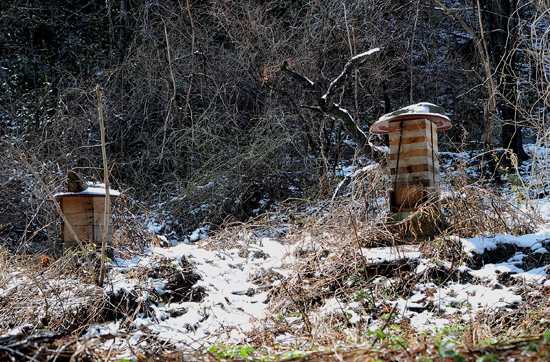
235	306
236	292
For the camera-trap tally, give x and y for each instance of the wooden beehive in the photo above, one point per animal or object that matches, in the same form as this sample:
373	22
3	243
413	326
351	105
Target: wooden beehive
85	212
414	163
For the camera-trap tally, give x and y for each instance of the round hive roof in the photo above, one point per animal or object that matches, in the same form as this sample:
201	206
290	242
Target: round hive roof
91	191
425	110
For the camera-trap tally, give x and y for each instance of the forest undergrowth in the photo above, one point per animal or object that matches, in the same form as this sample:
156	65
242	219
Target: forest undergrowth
51	303
220	140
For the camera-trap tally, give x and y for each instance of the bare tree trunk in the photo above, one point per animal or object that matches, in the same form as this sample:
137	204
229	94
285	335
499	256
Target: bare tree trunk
498	16
125	31
497	52
481	46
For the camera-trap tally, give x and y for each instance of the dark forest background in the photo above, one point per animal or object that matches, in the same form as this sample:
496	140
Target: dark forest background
202	122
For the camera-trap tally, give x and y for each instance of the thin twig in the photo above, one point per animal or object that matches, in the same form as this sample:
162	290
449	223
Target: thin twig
412	51
173	99
387	322
192	73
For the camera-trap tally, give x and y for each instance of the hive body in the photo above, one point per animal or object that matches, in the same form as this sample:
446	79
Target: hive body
414	163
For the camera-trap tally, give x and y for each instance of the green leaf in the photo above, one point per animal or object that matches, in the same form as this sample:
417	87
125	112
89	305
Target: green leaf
488	357
531	347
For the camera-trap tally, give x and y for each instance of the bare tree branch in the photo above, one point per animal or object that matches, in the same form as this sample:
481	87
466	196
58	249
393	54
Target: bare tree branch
298	77
343	78
327	102
311	108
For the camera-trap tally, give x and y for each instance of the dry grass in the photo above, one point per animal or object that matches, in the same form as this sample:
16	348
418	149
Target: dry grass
330	241
44	294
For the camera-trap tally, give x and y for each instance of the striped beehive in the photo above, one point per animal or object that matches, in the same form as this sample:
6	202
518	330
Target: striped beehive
414	163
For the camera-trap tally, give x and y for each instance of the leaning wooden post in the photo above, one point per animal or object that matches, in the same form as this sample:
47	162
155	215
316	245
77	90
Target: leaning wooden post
414	161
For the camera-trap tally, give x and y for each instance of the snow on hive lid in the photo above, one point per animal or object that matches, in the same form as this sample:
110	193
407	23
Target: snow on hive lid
96	190
425	110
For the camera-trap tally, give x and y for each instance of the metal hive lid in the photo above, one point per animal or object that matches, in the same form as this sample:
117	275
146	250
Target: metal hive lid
425	110
91	191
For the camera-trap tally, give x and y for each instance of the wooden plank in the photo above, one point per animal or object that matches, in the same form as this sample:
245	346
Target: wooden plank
416	121
99	207
79	213
86	216
423	136
420	123
409	133
412	169
413	146
417	177
62	224
412	161
409	140
98	230
412	133
78	210
409	121
405	159
412	178
412	124
409	161
99	214
411	153
84	232
409	196
397	128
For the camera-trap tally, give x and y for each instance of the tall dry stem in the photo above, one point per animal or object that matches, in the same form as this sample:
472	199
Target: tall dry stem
107	213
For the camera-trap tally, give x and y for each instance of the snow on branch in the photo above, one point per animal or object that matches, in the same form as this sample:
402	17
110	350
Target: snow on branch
300	78
329	107
343	78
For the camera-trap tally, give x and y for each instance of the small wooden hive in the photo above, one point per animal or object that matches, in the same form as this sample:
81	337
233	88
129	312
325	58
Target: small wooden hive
85	212
414	162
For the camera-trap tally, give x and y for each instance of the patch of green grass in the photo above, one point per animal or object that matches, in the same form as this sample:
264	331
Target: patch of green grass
245	353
